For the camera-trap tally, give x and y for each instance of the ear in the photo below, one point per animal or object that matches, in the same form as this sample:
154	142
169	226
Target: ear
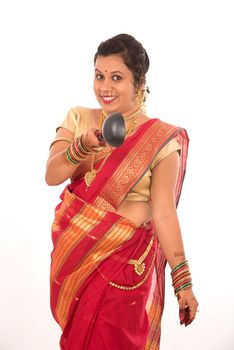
142	86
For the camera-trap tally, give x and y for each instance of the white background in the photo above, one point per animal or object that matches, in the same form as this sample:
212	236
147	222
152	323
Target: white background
46	68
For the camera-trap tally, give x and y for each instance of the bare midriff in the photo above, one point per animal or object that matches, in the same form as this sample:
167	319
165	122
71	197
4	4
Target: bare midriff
137	212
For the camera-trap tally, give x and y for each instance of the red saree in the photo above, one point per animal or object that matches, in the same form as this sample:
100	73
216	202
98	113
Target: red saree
107	274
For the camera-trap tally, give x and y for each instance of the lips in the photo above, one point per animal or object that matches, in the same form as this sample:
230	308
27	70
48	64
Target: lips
108	99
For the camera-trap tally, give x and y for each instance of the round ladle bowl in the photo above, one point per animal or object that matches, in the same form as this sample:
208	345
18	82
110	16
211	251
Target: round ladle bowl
113	129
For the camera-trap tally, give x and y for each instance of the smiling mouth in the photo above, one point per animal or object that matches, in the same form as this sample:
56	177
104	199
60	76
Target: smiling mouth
108	99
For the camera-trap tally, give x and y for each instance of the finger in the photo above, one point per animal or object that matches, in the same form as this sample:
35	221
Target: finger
182	311
99	137
186	314
91	139
188	323
101	140
183	314
190	320
192	315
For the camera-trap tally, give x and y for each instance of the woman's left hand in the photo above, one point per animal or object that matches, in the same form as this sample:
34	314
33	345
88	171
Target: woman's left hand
187	306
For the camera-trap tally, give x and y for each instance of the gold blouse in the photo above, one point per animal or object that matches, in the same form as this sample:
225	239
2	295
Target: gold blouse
78	120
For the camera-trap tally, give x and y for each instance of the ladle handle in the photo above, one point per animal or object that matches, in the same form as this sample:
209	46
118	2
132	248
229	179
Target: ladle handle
100	137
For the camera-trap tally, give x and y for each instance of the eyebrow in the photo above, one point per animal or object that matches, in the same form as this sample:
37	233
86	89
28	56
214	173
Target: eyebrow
114	72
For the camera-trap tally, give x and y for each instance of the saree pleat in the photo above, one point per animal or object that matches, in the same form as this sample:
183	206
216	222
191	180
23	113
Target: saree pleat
100	299
97	301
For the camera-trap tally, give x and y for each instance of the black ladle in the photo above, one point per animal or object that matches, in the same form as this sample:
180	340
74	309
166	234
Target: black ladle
113	130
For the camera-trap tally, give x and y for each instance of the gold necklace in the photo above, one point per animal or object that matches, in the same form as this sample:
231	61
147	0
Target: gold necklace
132	126
128	117
92	173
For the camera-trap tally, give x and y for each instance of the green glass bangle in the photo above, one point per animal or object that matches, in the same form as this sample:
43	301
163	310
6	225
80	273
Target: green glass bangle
82	147
177	267
69	158
81	156
184	286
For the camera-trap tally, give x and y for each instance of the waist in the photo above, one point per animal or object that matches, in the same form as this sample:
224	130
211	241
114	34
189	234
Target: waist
138	212
132	214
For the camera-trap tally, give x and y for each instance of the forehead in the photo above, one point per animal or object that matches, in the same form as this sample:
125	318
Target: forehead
111	63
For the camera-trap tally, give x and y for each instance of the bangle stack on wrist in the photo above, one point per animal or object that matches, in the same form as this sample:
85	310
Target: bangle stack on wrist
76	153
181	277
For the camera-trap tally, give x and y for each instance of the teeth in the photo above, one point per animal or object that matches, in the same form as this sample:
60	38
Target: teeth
109	98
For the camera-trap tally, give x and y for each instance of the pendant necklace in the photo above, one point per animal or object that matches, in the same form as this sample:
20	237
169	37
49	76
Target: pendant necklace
92	173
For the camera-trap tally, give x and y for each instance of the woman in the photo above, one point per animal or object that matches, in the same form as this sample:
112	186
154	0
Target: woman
116	225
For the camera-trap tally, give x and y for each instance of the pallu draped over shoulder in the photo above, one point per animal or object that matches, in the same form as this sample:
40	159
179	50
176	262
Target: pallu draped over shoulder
107	274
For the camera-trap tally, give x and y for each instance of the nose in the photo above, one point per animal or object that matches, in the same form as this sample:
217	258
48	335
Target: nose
106	87
106	90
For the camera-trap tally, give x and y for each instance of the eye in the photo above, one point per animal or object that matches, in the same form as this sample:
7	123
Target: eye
116	77
99	76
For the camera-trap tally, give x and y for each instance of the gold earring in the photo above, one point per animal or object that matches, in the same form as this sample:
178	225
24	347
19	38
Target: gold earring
140	98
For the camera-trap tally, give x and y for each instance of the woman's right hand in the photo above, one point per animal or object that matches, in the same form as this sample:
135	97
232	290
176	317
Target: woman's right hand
92	139
58	169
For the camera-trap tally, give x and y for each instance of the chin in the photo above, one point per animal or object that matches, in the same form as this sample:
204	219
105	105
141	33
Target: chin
109	109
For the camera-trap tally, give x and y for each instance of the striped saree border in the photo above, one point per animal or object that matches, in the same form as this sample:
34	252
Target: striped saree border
79	227
101	243
135	163
157	305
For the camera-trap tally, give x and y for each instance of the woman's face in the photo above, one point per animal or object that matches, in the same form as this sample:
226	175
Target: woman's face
114	85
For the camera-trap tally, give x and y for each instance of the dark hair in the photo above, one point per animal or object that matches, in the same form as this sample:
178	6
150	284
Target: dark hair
132	52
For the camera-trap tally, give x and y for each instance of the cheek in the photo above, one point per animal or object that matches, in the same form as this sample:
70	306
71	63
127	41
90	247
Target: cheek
95	87
126	90
131	93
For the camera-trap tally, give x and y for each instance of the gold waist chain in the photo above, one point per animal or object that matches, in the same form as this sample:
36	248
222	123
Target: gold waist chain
139	283
139	267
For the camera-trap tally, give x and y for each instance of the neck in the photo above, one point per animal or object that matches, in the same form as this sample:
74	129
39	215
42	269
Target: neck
132	115
125	116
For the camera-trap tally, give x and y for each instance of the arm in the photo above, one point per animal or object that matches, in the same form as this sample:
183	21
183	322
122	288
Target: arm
58	168
167	226
164	208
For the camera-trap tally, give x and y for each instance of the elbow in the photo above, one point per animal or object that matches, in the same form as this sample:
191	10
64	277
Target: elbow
164	215
52	176
51	180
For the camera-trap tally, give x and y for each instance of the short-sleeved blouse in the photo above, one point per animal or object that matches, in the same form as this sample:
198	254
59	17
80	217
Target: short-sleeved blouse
78	120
